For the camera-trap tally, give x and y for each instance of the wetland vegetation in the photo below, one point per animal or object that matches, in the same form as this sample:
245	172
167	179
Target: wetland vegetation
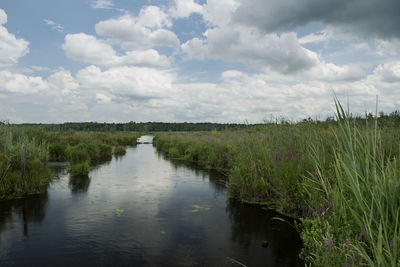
28	174
339	178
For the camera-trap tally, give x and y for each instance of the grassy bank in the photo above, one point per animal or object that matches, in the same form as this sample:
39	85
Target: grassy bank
338	176
84	149
20	175
81	149
264	164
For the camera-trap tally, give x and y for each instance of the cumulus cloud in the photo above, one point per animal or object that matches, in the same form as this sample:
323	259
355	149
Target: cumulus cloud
278	53
388	48
137	33
87	48
3	17
11	48
153	17
21	84
388	72
219	12
240	96
267	52
366	18
183	8
63	82
128	83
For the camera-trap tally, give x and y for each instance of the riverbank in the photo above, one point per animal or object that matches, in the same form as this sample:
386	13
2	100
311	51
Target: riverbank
24	153
144	210
340	178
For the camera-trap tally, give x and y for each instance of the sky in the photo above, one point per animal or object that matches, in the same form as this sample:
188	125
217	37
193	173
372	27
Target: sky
195	61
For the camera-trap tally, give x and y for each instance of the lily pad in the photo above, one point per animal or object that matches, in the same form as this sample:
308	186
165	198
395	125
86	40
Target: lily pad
197	208
119	211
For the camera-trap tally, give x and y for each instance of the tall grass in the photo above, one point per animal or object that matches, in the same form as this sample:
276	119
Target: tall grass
263	164
363	188
340	177
37	174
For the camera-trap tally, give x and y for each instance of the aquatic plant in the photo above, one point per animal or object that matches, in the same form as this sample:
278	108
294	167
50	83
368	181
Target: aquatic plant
119	150
23	163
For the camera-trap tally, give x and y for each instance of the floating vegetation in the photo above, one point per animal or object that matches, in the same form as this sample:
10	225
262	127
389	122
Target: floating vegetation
197	208
119	211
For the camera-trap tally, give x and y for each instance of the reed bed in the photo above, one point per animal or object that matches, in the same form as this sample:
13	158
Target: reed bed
22	175
340	178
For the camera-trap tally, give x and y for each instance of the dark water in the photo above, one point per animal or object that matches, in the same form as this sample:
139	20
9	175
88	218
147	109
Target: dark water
141	210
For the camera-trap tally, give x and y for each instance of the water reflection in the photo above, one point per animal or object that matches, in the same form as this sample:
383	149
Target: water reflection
217	179
26	210
79	183
142	210
258	229
145	139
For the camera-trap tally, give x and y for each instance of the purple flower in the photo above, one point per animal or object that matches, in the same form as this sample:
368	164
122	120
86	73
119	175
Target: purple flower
346	265
319	210
347	242
360	236
391	243
329	244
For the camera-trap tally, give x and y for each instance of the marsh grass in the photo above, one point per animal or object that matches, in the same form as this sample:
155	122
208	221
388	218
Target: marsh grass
81	149
119	150
340	177
37	174
364	188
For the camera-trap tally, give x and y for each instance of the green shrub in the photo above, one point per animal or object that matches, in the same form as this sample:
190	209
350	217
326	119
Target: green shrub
57	152
119	150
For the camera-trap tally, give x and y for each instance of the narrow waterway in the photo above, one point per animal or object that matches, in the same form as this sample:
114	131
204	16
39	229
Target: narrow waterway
142	210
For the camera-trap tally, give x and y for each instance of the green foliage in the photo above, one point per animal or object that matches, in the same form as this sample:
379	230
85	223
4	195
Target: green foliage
37	174
78	153
57	152
79	158
264	163
338	176
119	150
363	186
136	127
80	168
105	151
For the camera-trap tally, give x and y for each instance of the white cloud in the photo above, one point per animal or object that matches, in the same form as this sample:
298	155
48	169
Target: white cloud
3	17
87	48
388	72
102	4
128	83
21	84
388	48
183	8
64	82
315	37
219	12
54	25
153	17
266	52
241	97
128	32
103	98
11	48
282	53
195	49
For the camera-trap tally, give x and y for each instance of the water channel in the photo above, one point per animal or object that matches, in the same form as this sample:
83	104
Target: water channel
142	210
